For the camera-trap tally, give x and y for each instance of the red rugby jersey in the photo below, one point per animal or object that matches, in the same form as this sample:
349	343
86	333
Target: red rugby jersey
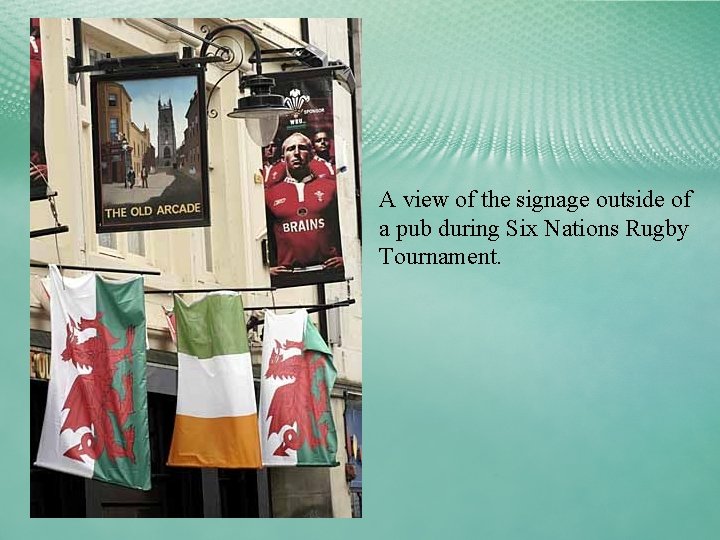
304	221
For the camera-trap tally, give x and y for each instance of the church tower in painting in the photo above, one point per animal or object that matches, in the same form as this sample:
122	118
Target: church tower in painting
166	148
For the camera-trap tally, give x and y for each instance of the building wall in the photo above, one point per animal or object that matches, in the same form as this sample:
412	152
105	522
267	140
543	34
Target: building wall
236	201
139	140
191	144
115	129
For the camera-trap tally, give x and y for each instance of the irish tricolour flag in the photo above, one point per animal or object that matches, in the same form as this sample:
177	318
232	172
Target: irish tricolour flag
216	421
96	413
297	376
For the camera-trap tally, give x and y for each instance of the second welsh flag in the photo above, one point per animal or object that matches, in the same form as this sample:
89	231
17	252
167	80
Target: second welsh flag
297	376
216	421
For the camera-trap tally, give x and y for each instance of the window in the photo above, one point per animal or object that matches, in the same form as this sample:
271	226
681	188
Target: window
108	240
114	128
136	243
112	100
208	249
94	55
124	245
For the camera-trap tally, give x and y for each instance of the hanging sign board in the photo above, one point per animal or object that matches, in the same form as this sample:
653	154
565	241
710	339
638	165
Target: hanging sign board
301	198
38	162
150	150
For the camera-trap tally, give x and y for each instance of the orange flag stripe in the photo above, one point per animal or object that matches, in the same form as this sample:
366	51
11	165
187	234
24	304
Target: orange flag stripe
228	442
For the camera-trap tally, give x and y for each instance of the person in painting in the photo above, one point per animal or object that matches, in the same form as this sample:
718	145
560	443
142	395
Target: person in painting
144	177
130	178
302	213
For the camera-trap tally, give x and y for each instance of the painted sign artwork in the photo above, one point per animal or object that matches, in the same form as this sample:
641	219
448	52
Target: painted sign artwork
150	151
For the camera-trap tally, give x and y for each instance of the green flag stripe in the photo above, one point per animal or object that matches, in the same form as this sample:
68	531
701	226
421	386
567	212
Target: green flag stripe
322	455
214	326
314	342
122	305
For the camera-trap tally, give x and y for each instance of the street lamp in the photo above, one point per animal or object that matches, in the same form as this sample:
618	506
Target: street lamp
127	158
261	109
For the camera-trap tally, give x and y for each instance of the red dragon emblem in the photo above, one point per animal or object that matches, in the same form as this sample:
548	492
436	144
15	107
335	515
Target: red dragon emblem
92	400
295	402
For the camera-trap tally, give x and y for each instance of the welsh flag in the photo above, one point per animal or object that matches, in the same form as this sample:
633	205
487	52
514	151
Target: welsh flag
297	376
96	422
216	420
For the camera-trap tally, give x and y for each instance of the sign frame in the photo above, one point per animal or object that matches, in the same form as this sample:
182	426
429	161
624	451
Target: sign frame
103	224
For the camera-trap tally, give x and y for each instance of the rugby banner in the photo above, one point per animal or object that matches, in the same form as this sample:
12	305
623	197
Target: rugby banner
301	189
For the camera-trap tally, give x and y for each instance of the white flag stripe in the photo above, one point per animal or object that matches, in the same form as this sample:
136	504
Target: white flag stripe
76	299
284	328
215	387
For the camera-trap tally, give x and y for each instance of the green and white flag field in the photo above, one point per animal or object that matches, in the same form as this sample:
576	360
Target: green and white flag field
95	422
297	376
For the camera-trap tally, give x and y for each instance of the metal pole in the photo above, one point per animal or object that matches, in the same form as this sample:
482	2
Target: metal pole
322	316
77	38
236	289
357	131
97	269
187	32
309	307
45	232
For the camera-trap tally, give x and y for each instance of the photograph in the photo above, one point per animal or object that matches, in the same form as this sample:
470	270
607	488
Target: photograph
171	375
498	218
300	179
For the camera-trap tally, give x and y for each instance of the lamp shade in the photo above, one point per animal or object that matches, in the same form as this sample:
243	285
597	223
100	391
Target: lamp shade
262	129
261	110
